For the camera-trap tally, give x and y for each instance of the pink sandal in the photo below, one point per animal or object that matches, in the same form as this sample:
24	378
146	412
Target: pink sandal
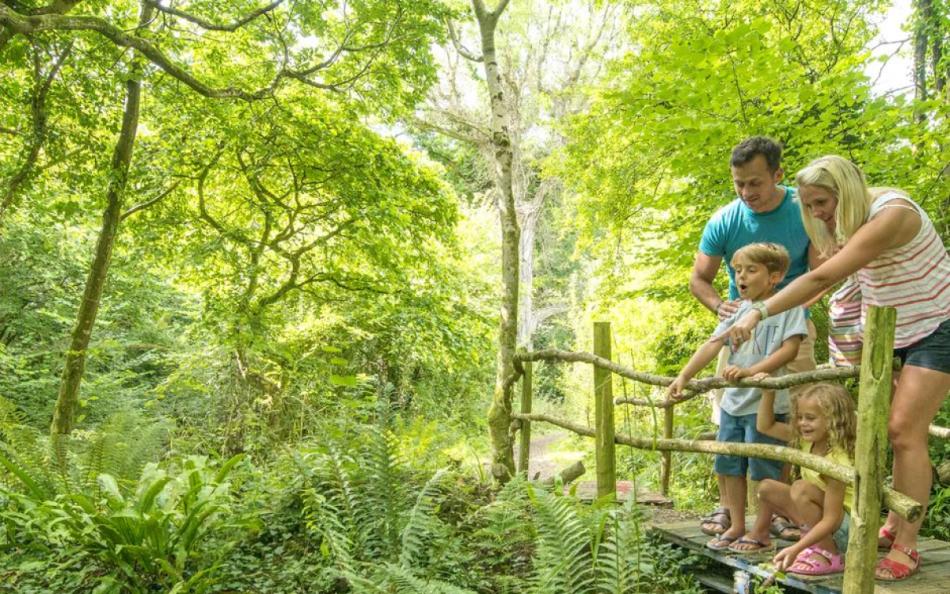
899	571
817	561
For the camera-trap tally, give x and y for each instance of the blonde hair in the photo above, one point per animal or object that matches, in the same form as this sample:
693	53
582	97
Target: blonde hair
837	405
846	182
771	255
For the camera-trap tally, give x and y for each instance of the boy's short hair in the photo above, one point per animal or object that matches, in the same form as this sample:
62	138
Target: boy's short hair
771	255
749	148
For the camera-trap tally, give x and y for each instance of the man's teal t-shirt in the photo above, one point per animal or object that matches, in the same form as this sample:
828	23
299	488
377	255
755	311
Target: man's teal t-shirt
736	225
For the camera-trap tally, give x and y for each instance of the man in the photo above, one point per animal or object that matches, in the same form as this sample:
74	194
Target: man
763	211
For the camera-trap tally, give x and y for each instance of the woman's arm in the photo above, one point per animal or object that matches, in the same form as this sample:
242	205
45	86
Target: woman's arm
875	236
765	422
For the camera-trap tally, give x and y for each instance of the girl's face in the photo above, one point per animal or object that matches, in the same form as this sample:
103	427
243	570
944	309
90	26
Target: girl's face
820	203
812	423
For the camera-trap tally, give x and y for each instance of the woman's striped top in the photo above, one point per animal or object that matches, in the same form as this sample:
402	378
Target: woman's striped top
913	278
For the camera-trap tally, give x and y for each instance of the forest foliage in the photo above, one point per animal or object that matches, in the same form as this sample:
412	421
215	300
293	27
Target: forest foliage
289	366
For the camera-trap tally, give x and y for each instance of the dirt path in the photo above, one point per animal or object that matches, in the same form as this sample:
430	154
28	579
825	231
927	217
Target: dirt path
546	458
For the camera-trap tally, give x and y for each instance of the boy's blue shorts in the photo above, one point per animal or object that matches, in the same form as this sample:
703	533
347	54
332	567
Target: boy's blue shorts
741	429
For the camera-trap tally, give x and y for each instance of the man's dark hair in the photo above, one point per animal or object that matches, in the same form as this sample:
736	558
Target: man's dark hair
747	150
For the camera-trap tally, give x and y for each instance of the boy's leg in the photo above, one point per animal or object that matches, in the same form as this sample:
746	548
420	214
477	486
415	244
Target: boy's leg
732	471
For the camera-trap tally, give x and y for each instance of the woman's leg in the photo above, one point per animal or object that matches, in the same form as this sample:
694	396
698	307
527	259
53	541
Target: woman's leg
917	399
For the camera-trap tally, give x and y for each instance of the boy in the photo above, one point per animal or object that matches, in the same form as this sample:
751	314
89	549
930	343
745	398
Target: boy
759	267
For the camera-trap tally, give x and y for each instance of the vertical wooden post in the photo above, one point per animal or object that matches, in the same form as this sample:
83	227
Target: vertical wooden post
874	404
604	416
666	465
525	443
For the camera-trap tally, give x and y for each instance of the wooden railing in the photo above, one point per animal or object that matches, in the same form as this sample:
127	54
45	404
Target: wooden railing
867	475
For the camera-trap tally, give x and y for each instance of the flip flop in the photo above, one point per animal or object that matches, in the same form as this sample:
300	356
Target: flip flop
899	571
718	518
807	562
720	542
757	546
782	527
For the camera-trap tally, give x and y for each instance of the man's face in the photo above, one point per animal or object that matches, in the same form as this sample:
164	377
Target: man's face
755	184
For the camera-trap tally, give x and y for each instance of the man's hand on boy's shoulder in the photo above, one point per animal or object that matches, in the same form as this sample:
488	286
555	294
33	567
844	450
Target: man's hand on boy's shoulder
727	309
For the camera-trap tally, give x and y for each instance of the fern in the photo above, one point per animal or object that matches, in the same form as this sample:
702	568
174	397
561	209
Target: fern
422	523
564	557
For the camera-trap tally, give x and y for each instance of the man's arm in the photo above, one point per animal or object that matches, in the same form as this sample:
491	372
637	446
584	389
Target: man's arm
705	268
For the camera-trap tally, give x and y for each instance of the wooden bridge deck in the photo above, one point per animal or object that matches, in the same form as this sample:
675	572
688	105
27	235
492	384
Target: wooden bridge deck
933	577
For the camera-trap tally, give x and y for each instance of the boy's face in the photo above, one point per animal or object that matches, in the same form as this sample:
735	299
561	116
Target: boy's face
754	280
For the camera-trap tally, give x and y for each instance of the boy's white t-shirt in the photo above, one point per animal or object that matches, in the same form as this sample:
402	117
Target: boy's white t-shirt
767	337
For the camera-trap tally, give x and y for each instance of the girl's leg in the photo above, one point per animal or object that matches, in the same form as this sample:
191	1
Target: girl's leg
808	501
920	392
773	499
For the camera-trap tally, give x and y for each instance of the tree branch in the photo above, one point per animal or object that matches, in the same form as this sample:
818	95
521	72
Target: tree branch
27	25
462	50
205	24
897	501
143	205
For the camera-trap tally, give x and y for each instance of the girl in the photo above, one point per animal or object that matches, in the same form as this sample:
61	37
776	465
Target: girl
900	262
823	423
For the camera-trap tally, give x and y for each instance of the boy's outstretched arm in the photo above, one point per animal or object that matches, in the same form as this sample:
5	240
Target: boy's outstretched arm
701	358
765	422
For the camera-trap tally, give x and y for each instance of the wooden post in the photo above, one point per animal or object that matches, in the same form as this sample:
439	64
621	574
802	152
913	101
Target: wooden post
525	443
604	416
666	465
874	403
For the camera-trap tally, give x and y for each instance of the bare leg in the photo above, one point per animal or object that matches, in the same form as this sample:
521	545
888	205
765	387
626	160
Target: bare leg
918	397
734	499
808	501
773	498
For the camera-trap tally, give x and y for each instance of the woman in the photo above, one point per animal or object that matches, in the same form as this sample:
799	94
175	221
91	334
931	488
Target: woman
899	261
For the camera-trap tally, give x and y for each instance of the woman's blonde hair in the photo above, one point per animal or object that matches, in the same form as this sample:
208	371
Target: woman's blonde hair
846	182
837	405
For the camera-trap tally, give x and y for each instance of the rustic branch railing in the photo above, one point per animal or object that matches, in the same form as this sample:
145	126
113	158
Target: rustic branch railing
873	410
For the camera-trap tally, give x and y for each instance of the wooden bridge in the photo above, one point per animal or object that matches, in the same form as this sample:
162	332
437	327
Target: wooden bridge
932	578
867	476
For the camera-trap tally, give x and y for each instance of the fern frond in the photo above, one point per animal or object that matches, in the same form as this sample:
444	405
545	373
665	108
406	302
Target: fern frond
422	522
564	556
400	580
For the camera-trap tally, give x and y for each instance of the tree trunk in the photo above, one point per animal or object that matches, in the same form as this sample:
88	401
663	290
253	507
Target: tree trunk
922	10
64	415
499	415
528	229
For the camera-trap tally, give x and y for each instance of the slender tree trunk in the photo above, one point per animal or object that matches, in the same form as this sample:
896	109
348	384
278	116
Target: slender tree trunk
922	10
64	415
499	415
528	228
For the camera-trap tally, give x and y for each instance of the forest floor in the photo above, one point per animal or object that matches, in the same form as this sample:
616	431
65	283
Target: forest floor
548	456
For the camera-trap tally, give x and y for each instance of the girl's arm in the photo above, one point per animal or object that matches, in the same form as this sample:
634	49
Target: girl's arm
831	516
765	422
701	358
888	229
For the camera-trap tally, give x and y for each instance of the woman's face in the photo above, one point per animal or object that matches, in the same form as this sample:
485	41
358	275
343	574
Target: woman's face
820	203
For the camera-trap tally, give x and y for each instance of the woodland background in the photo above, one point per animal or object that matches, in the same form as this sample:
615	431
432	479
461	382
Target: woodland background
263	267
